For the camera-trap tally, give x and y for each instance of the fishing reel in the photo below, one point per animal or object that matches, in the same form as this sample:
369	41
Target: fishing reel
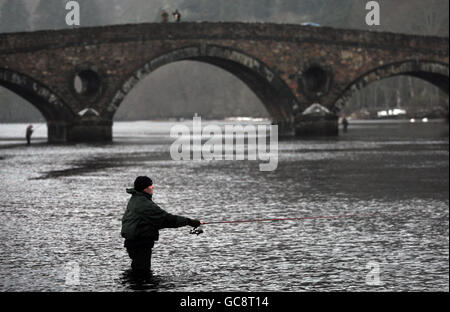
197	231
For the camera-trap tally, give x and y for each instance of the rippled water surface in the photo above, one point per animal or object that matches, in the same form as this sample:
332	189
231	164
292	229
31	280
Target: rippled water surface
61	208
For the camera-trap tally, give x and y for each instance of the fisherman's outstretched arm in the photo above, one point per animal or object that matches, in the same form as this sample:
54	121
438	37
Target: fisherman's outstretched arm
162	219
175	221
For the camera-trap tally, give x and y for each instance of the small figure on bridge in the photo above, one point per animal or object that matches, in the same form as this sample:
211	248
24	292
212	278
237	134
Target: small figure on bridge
176	16
141	223
165	16
28	134
344	123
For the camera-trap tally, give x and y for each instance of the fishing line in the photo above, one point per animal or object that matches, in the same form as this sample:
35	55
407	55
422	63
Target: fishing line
199	230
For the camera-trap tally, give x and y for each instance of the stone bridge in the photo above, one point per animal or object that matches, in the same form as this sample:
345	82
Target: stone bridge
77	78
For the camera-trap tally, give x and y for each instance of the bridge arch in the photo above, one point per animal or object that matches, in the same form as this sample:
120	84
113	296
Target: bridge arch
273	92
434	72
48	103
57	113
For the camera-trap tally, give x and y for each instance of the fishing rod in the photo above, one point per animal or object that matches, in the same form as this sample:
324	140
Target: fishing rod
199	230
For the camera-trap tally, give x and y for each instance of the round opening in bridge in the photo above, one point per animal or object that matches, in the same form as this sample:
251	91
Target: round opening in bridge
86	82
315	79
315	82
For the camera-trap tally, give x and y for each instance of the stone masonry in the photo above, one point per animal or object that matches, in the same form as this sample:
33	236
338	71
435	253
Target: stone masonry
78	77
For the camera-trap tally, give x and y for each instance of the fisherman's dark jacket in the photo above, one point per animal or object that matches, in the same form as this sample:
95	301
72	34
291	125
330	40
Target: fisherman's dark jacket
143	219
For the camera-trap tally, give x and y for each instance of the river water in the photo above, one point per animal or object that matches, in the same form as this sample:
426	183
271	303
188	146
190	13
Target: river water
61	209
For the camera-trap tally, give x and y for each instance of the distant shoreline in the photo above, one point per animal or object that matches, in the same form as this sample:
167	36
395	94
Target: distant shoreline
252	119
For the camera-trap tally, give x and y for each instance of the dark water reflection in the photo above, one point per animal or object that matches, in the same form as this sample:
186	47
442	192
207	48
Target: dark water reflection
139	281
63	204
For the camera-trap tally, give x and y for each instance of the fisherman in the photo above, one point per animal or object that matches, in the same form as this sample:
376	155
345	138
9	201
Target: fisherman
142	221
176	16
165	16
344	123
28	134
